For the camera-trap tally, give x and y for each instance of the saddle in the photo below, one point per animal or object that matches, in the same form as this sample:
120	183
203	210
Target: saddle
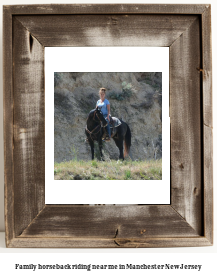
114	123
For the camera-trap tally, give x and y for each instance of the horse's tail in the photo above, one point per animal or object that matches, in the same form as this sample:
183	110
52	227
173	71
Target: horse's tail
127	141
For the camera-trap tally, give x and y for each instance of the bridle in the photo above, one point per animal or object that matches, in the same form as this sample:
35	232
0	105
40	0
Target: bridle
95	114
99	125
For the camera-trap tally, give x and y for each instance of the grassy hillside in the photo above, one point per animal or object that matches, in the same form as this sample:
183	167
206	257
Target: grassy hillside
108	170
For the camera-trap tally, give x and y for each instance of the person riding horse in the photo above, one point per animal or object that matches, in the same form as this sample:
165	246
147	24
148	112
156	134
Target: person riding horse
104	105
98	119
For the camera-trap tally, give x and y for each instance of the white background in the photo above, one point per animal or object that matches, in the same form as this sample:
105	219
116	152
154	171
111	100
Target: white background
205	255
139	59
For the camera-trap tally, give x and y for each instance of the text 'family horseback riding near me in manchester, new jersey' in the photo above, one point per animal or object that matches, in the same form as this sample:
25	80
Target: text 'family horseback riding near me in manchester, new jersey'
90	267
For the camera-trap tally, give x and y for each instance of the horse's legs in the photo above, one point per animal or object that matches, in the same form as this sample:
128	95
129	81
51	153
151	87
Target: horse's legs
100	147
121	148
92	148
119	144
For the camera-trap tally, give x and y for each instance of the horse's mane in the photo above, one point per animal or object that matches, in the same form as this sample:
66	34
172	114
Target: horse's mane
91	112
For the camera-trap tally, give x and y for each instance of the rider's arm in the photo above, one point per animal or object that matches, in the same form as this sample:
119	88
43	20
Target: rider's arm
108	108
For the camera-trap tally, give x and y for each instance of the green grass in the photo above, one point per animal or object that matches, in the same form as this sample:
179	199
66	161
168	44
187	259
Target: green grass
94	164
127	175
108	170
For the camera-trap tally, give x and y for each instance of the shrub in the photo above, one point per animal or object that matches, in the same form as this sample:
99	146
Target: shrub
126	92
94	163
56	171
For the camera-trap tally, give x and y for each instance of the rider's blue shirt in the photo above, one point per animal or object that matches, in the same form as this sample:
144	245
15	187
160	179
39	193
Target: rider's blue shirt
103	106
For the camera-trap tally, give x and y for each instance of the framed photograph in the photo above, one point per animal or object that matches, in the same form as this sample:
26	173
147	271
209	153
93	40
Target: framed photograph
145	156
139	99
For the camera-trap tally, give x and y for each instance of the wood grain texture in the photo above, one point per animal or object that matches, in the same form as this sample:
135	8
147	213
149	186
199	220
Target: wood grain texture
109	222
185	113
207	123
108	243
29	223
29	139
208	183
8	125
207	67
107	30
106	9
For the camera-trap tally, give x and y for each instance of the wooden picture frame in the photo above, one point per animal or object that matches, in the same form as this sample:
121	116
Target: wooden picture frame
186	30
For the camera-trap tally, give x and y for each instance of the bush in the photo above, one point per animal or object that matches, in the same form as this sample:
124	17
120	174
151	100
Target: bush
126	92
94	164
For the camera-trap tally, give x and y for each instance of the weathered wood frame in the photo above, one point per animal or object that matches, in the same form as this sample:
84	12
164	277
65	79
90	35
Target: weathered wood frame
186	29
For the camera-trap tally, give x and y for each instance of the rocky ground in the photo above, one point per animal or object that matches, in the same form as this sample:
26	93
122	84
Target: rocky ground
134	97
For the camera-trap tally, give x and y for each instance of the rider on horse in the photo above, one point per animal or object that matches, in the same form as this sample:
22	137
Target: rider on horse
98	119
104	105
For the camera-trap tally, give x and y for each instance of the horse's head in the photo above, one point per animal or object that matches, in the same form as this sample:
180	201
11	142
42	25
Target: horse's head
98	115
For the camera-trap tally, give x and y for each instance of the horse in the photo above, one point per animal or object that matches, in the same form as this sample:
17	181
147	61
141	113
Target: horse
95	129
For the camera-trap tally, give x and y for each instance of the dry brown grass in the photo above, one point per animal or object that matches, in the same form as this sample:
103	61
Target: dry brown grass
108	170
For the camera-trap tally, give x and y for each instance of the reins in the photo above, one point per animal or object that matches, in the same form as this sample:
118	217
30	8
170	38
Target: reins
92	132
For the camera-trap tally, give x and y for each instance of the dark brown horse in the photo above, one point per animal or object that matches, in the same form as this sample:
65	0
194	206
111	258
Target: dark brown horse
95	129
